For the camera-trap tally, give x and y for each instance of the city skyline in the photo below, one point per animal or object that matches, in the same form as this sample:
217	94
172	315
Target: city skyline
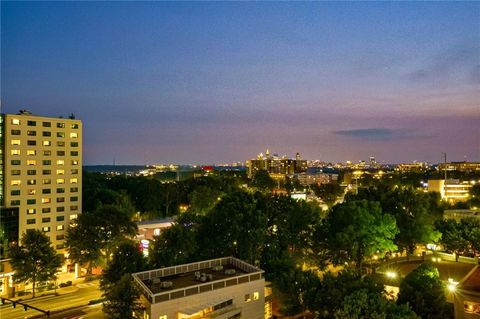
221	82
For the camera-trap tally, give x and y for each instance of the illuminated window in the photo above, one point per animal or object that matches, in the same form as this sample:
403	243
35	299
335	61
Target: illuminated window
16	162
163	317
15	122
15	182
256	295
31	162
248	298
47	143
60	227
31	182
31	133
73	135
15	142
74	126
46	200
73	216
73	180
16	172
46	229
47	153
31	192
16	132
47	124
60	181
31	211
60	172
60	134
60	162
61	125
31	152
156	232
45	133
46	181
15	152
74	162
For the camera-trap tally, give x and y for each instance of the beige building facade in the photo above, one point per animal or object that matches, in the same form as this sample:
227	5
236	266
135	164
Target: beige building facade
42	172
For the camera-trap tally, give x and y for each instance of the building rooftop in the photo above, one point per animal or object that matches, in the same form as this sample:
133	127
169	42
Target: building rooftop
189	279
472	281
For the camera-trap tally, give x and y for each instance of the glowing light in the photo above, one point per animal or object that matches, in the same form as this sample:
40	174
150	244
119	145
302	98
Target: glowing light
452	285
391	274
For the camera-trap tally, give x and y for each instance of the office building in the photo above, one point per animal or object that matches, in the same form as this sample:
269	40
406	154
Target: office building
223	288
460	166
451	190
41	171
277	167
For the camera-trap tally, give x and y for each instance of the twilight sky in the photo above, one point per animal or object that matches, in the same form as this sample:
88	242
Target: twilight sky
220	82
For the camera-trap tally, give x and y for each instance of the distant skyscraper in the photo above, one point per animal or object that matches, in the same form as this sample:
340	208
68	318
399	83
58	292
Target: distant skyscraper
277	167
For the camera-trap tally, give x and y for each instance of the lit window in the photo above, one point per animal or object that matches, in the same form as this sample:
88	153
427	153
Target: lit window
73	216
31	162
60	181
31	211
15	152
60	162
156	232
15	122
46	181
60	227
248	298
73	135
60	172
15	182
31	182
256	295
61	125
31	152
15	142
74	162
60	134
46	200
46	229
31	192
163	317
47	143
73	180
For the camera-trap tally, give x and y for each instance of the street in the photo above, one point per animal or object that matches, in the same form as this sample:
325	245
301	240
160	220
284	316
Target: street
76	296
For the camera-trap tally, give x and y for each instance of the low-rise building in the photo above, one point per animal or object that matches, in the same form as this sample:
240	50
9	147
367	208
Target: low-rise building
451	190
223	288
467	296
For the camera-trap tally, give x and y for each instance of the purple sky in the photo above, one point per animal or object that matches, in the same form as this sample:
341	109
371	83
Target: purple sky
220	82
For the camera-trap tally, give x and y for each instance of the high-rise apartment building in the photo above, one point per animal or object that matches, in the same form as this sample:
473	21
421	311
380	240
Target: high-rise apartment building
277	167
41	172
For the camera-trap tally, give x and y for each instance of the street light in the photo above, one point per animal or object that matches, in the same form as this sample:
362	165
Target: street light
391	274
452	285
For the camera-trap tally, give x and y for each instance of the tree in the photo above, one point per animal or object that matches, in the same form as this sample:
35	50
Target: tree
35	260
94	235
470	228
127	259
121	299
423	290
365	304
203	199
453	238
357	229
329	192
262	180
176	244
